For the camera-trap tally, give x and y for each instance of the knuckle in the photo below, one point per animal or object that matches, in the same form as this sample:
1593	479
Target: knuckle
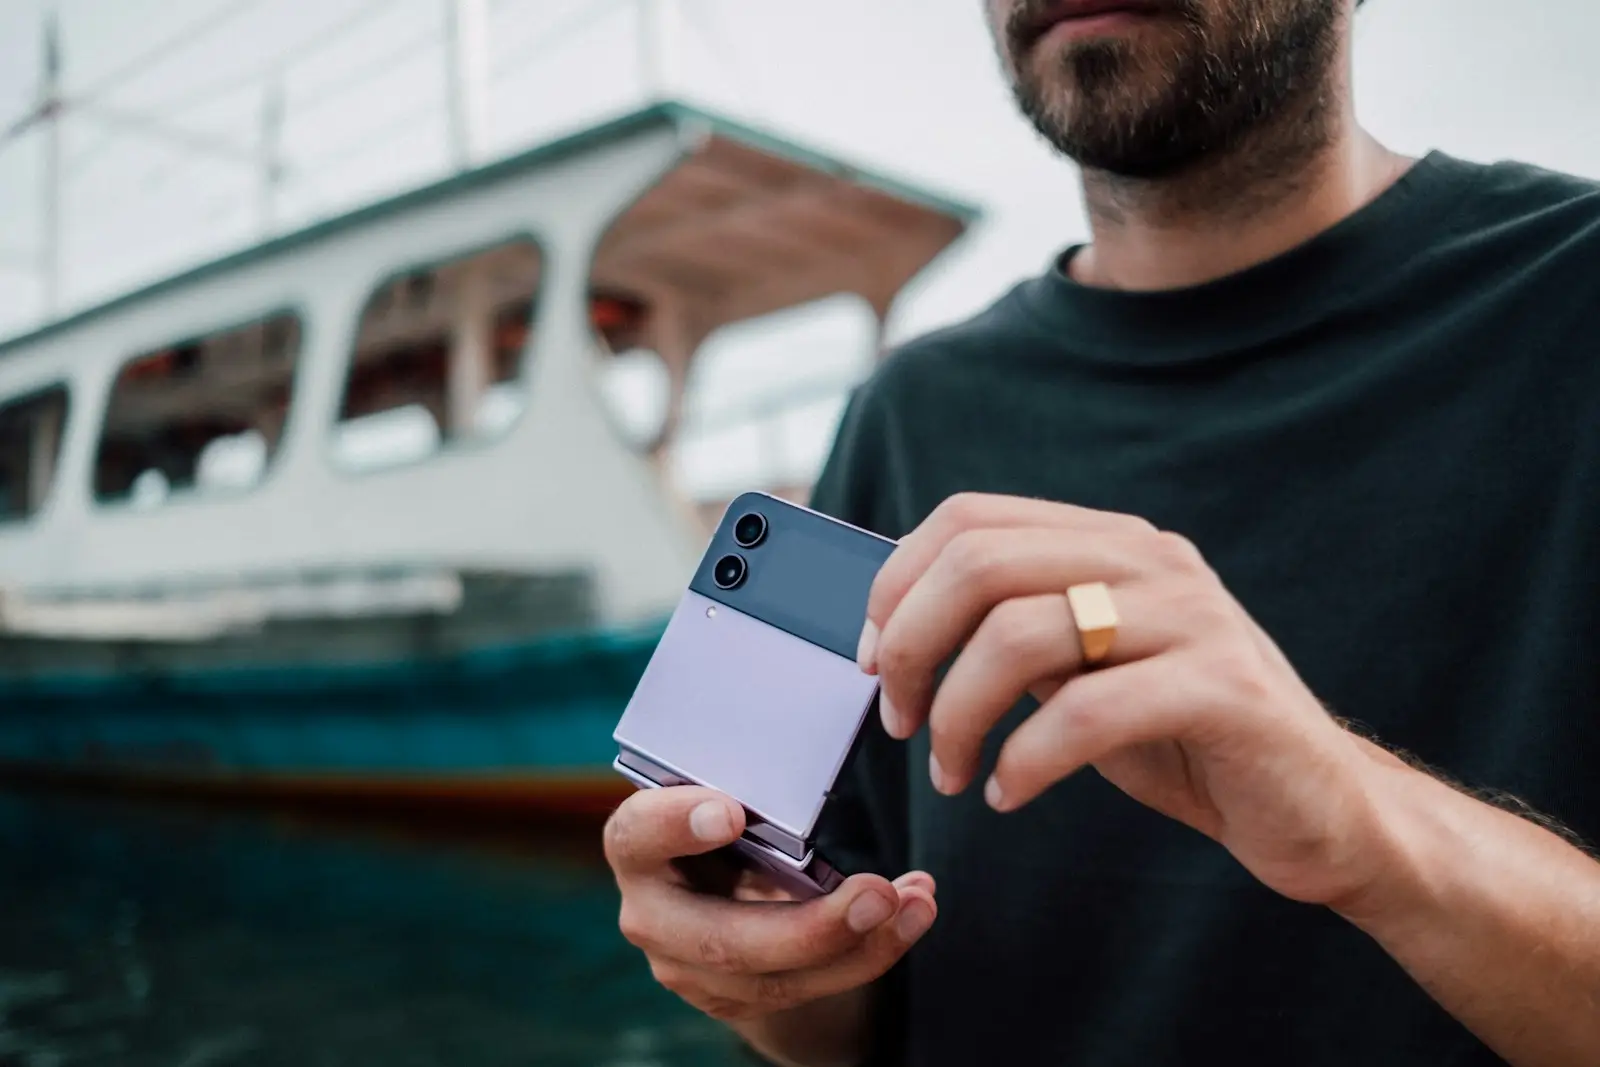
1014	632
961	510
1083	713
1017	770
618	837
896	656
714	951
808	942
1135	525
632	924
670	976
1204	613
1176	552
726	1009
970	556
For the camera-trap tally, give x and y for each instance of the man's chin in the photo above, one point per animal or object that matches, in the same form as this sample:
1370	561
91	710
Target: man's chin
1117	144
1097	82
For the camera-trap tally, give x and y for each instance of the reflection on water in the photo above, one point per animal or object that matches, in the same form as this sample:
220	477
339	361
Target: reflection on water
161	936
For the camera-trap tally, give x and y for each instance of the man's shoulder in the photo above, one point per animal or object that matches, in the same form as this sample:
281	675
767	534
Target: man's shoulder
1536	183
1511	193
1530	236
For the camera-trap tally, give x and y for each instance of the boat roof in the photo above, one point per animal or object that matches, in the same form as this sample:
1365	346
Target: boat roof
883	206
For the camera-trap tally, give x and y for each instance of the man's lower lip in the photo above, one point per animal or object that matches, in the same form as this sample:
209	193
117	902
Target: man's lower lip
1102	25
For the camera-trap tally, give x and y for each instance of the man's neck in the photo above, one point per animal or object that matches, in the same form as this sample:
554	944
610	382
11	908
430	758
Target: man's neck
1227	215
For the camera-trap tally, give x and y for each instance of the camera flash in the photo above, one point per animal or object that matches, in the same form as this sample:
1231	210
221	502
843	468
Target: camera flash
711	613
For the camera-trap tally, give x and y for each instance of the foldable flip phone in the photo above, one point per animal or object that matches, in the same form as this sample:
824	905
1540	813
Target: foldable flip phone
753	689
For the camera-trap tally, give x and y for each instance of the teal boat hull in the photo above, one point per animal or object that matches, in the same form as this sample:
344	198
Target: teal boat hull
526	723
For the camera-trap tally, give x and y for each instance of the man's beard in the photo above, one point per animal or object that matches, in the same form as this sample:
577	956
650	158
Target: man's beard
1121	107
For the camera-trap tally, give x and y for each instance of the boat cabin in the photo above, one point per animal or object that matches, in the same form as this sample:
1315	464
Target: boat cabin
404	411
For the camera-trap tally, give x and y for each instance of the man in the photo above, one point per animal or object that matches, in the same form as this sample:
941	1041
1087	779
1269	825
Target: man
1309	431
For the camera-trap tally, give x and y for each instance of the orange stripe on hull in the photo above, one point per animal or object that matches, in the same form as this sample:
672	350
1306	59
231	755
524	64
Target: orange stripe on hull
578	795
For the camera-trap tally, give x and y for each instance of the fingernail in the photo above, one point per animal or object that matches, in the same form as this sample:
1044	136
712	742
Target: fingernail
711	821
914	921
868	912
891	717
936	772
993	795
911	878
867	647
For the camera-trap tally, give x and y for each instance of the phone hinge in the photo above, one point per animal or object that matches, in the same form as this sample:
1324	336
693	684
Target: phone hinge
647	773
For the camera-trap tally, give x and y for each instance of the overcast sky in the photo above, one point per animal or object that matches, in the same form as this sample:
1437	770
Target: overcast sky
908	86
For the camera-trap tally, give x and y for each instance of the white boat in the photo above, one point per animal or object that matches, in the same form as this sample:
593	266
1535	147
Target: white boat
349	511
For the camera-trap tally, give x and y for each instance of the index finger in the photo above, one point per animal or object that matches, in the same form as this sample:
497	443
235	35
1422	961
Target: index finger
653	827
958	514
978	572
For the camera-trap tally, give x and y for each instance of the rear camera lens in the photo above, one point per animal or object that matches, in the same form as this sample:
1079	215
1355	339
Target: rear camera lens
750	530
729	572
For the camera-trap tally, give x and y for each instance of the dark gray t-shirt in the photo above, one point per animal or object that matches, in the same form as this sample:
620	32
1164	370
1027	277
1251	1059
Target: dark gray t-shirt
1387	442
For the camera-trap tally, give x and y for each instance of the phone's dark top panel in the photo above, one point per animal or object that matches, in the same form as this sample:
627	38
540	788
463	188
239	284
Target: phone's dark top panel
810	576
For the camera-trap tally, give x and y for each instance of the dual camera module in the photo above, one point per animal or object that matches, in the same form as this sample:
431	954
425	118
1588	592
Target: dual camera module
748	532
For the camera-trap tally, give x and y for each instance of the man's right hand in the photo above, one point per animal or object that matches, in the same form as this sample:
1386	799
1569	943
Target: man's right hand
754	954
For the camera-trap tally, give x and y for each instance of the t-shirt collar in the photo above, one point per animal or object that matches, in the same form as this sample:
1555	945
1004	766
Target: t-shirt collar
1288	292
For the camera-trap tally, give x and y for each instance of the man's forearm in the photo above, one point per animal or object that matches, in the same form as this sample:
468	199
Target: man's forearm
1496	917
825	1033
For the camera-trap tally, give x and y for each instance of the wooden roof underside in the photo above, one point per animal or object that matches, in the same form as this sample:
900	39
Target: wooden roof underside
734	232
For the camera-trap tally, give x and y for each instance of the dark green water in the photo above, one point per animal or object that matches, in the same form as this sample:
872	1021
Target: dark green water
138	935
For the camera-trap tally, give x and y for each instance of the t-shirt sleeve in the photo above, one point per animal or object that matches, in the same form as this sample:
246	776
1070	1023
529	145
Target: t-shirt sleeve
864	825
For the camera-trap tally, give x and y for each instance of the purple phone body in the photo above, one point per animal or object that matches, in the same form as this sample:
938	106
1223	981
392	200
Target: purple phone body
753	689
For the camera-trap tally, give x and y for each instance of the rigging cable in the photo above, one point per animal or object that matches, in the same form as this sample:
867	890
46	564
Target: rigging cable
163	52
221	88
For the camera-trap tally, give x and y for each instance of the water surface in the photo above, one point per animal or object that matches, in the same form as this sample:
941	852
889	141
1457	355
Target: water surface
134	935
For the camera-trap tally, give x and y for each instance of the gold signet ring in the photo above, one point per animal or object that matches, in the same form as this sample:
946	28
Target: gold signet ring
1095	615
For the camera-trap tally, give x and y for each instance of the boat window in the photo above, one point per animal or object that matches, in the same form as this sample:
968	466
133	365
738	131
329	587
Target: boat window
439	359
764	399
31	431
634	383
201	416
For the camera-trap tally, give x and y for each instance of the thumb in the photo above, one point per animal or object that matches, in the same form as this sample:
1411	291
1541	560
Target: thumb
655	826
